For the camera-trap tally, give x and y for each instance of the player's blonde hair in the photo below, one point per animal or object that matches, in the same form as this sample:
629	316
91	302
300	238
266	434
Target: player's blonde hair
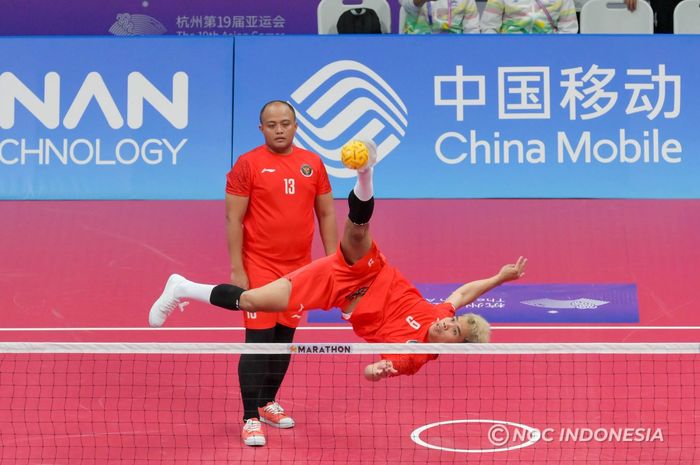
478	330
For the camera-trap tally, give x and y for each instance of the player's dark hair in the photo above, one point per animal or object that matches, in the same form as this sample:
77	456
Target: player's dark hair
271	102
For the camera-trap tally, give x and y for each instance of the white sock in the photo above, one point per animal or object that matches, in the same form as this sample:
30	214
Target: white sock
364	189
196	291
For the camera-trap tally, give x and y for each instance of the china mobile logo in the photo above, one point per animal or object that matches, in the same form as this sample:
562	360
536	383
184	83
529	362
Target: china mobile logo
346	100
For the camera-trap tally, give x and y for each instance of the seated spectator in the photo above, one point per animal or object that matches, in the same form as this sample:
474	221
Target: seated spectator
663	13
440	16
529	17
359	21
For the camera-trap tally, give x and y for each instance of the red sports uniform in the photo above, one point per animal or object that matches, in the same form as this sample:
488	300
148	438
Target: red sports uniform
279	221
391	309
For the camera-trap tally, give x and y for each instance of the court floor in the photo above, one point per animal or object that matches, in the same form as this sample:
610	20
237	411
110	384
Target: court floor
88	272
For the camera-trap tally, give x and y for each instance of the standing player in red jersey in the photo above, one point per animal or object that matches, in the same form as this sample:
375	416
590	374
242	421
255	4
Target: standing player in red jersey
375	298
272	193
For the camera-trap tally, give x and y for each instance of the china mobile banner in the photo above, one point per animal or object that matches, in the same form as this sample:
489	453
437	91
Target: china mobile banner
488	116
526	117
110	118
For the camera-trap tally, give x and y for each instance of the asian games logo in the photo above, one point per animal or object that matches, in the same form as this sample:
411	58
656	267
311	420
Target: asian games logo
128	24
346	100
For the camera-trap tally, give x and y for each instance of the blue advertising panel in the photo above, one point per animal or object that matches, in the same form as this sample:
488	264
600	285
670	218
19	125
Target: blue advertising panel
458	117
104	118
536	303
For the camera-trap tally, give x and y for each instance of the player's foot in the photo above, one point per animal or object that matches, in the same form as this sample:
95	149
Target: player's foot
372	152
252	434
166	303
273	414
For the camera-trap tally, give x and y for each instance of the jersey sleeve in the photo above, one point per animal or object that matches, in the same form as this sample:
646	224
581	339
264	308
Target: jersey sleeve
239	180
324	185
408	364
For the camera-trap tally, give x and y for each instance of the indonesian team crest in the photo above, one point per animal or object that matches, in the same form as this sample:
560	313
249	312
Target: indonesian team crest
306	170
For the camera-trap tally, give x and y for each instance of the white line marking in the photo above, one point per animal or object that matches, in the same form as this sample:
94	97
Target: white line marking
348	328
533	434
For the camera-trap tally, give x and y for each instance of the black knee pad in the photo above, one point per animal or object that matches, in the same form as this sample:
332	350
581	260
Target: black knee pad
226	296
360	212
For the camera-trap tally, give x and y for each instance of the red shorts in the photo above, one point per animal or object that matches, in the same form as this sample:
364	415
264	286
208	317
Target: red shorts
331	282
258	277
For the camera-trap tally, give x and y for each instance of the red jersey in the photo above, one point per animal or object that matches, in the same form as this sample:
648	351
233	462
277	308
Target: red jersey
282	190
393	311
390	309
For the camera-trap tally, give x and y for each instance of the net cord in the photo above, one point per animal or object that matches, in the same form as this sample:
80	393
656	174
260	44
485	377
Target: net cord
349	348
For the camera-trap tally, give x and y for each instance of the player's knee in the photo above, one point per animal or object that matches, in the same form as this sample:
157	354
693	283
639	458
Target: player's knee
356	234
270	298
247	302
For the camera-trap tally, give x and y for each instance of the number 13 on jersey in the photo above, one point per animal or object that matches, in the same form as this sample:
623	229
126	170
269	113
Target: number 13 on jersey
289	186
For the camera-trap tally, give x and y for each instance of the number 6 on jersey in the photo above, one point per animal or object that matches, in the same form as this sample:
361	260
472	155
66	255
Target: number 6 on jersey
412	323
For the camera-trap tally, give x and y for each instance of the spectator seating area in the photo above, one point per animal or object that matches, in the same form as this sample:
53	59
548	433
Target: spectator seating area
596	17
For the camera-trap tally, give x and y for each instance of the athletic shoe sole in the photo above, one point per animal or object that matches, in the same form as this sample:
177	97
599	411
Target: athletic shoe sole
278	425
255	441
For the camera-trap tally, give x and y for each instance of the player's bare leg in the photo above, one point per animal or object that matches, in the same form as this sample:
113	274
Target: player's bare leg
356	241
272	297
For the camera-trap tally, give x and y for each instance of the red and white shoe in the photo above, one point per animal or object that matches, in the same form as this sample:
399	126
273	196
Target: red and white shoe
252	434
273	414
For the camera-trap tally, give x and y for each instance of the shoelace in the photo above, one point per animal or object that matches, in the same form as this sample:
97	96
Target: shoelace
175	303
252	425
274	408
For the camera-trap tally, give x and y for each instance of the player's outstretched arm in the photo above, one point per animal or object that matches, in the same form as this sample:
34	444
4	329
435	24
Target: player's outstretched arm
469	292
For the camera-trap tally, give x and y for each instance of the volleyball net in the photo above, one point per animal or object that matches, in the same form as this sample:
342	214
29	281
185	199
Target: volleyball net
134	403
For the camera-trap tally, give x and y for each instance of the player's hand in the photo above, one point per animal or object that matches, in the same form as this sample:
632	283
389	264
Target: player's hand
380	370
240	278
513	271
631	4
